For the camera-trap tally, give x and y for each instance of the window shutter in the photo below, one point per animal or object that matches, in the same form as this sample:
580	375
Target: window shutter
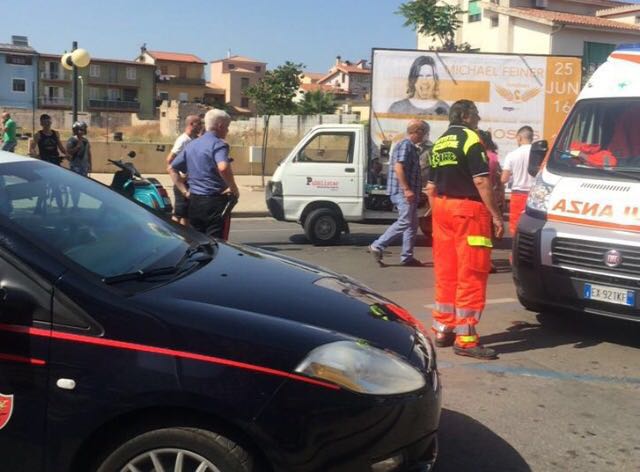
474	8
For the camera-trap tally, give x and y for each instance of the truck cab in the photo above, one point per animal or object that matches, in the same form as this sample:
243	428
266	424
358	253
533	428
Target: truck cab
324	184
577	246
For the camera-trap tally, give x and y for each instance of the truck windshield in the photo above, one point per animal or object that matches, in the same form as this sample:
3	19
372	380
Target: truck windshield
600	138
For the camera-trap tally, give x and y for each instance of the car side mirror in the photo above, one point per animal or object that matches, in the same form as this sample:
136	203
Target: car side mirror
131	154
537	154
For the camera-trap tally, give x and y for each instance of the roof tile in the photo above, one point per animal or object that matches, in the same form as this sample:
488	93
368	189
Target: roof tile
175	56
578	20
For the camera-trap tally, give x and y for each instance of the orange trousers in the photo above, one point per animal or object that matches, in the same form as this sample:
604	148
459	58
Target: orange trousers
462	259
516	209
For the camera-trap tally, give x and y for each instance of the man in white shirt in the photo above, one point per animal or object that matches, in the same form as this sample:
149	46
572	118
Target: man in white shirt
516	166
192	127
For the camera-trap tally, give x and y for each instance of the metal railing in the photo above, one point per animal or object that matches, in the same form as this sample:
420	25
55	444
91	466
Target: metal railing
114	104
54	101
60	75
170	79
108	80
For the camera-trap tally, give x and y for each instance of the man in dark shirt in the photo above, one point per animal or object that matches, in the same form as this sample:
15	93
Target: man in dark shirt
464	215
210	179
46	143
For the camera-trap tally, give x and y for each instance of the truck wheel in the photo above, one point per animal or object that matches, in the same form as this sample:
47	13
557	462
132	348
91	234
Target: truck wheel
179	449
322	227
426	227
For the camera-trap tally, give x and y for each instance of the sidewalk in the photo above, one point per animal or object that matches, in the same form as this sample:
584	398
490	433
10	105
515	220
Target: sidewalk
251	203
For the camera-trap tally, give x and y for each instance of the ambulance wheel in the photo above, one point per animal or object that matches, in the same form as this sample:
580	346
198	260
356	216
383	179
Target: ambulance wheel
322	227
529	305
179	449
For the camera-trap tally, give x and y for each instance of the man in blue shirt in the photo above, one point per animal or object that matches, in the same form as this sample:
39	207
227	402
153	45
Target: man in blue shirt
210	179
404	185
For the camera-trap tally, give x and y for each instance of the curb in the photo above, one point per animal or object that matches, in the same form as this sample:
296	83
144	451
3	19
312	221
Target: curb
249	214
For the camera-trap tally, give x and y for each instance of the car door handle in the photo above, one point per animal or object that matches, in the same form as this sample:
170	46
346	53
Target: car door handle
350	170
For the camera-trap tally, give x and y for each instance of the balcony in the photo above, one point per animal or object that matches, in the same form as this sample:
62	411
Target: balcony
60	75
119	105
173	80
113	81
54	102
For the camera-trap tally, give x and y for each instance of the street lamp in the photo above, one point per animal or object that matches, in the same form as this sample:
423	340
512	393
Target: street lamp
71	61
81	92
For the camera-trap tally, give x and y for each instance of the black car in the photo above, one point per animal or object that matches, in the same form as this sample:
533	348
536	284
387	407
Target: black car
129	343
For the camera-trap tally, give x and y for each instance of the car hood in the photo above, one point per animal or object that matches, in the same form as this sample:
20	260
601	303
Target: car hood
247	282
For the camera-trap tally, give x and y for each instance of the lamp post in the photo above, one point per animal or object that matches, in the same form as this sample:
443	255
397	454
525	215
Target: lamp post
81	92
71	61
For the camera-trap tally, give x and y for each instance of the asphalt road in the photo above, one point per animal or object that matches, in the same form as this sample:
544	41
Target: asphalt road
563	395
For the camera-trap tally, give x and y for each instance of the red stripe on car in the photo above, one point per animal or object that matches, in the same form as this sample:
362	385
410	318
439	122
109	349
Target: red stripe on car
112	343
21	359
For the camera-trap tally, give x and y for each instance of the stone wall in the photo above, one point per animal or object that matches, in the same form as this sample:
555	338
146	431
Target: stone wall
290	124
151	158
28	121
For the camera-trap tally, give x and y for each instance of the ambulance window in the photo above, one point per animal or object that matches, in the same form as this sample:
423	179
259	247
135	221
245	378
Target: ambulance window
601	133
329	148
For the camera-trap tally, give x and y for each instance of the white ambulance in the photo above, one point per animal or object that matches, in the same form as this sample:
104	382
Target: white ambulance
578	244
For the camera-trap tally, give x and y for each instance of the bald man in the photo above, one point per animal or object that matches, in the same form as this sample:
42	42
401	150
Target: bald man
192	128
404	184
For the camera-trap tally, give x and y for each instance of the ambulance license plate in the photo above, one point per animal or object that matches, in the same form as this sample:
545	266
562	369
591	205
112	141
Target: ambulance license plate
619	296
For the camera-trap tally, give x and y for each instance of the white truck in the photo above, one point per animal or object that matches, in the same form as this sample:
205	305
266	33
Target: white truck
323	184
577	247
326	181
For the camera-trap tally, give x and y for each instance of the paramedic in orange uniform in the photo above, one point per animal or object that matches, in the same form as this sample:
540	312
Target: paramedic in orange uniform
465	216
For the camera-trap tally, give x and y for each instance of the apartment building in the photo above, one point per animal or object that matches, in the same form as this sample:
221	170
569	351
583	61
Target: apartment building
587	28
179	76
352	78
234	75
105	85
18	73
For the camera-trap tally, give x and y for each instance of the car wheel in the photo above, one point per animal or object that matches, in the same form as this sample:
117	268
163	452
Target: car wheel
179	449
322	227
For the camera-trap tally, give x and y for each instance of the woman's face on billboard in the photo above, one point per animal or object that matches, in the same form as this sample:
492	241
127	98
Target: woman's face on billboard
426	83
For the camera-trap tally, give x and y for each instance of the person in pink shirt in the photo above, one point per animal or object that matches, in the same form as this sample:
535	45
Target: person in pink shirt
495	172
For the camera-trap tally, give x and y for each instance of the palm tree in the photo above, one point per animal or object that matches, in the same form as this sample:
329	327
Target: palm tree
317	102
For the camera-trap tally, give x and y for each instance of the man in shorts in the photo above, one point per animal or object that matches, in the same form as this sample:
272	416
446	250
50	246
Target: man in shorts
192	128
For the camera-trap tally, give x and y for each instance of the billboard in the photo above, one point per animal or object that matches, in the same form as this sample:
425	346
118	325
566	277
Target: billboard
510	91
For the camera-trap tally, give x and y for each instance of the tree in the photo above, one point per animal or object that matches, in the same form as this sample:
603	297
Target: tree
316	102
439	22
273	95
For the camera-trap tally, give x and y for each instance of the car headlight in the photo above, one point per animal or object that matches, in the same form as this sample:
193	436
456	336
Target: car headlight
538	200
362	369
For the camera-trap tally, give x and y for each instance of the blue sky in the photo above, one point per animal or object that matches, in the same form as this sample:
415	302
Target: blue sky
310	32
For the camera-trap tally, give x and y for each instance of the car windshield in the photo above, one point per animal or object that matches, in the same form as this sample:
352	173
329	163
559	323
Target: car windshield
84	221
600	137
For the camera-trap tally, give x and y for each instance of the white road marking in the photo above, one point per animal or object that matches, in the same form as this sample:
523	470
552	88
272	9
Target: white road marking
494	301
